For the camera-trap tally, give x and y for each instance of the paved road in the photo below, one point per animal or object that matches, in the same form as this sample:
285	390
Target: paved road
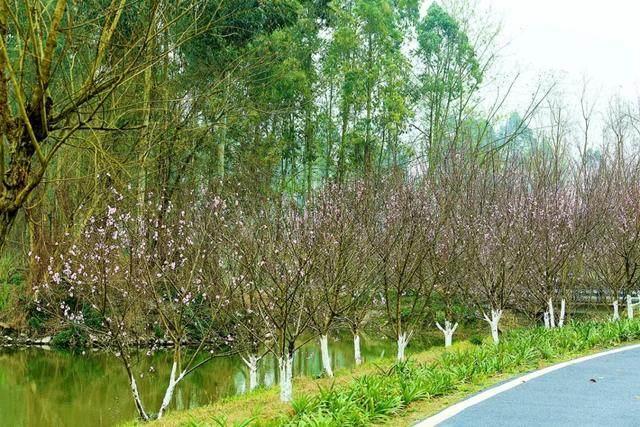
566	397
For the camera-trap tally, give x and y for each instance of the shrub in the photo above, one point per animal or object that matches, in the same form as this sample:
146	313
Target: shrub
91	317
476	339
5	294
70	338
36	323
158	332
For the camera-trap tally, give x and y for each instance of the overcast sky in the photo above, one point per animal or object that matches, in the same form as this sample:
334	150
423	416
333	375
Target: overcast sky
599	39
572	40
575	39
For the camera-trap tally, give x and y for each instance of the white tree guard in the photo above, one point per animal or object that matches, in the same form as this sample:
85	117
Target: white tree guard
173	382
547	324
563	309
252	365
285	365
136	398
552	316
356	349
494	321
326	358
448	331
403	341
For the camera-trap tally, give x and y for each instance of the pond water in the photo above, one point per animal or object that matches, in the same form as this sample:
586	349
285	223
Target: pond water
43	388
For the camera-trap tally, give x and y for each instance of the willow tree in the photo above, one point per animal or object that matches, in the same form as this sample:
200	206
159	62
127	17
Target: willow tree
73	70
59	62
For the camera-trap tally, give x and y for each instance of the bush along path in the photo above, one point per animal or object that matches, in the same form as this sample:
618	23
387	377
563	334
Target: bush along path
375	398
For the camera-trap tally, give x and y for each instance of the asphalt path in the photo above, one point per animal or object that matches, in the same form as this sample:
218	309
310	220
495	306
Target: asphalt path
601	391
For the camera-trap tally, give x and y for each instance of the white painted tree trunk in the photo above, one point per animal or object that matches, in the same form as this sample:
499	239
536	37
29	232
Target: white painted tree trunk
629	307
173	382
356	349
552	316
252	365
137	400
448	332
286	378
616	313
547	325
494	321
563	309
326	358
403	340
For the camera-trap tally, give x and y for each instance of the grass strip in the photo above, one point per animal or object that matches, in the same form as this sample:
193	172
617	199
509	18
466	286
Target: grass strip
396	394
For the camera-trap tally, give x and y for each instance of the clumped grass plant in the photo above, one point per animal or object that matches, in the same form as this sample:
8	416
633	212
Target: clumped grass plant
374	398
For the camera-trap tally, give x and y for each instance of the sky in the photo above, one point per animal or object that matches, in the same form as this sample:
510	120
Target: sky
571	39
596	39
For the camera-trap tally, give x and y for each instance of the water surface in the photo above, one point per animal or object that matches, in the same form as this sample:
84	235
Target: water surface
43	388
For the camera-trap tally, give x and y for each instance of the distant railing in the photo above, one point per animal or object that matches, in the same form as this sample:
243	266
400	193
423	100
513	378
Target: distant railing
602	296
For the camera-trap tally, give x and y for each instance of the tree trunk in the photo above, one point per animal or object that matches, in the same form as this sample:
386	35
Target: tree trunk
547	325
326	358
173	382
356	349
563	306
146	122
7	218
136	398
252	364
309	146
285	365
220	146
16	183
448	332
493	321
367	133
342	150
403	341
552	316
616	313
629	307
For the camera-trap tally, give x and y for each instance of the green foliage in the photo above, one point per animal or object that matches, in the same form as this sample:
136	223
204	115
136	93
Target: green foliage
438	33
92	318
5	294
220	422
476	339
237	24
70	339
451	71
302	404
10	279
158	332
36	319
8	272
36	323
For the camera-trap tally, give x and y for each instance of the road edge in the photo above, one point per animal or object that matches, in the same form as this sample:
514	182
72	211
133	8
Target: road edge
455	409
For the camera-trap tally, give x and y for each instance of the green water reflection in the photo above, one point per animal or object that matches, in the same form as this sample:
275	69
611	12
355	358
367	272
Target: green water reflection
41	388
